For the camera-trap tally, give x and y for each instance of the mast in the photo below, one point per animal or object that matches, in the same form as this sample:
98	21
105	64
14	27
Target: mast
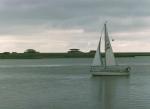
105	32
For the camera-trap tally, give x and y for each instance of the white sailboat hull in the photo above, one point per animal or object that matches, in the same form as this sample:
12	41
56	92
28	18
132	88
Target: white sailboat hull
110	74
110	70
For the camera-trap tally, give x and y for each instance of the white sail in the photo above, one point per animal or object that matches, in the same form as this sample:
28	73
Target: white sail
97	58
109	55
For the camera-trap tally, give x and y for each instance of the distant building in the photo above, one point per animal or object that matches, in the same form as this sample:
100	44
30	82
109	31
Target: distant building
14	53
74	51
92	51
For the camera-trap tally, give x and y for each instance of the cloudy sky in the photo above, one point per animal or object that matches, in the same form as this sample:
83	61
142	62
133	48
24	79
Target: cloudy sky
58	25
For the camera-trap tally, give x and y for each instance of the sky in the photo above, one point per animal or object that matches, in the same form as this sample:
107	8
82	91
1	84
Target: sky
59	25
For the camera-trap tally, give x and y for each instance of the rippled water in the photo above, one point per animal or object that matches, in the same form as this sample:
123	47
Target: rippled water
68	84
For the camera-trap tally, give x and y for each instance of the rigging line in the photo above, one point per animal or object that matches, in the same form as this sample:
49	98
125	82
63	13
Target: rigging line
101	32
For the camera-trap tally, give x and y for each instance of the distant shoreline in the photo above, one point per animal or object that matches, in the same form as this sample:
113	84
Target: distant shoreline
64	55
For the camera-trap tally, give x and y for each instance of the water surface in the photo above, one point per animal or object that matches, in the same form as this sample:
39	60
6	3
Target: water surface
68	84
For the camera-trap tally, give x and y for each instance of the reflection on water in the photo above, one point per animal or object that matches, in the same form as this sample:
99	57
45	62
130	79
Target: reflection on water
111	91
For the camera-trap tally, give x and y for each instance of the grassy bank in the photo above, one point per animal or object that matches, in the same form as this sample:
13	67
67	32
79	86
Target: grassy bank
62	55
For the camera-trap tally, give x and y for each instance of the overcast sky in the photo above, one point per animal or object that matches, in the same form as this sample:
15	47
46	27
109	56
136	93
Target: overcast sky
58	25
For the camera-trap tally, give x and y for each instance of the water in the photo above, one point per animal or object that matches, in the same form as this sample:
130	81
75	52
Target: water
68	84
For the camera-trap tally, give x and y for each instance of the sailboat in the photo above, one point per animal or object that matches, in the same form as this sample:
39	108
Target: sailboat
108	65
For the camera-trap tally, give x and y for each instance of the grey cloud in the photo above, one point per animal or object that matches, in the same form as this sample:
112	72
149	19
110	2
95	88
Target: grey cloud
68	9
32	17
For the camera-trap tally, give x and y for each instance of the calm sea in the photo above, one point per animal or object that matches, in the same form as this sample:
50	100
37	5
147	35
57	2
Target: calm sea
68	84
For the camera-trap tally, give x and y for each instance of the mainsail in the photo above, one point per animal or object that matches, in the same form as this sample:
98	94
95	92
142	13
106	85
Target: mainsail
98	59
109	55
